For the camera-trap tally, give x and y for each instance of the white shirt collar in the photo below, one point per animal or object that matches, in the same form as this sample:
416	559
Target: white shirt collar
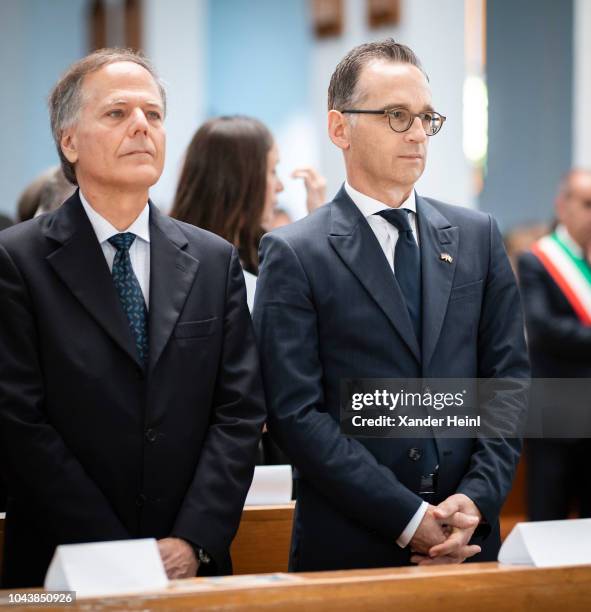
369	206
563	234
104	230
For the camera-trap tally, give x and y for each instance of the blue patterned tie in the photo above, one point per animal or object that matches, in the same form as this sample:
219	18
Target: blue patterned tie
130	293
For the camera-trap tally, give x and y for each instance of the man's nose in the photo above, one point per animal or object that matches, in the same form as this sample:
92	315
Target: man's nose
138	122
416	131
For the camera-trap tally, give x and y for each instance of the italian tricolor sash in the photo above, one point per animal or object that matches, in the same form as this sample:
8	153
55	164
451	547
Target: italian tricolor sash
571	273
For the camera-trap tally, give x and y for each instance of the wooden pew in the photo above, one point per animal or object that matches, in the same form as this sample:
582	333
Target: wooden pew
262	542
486	587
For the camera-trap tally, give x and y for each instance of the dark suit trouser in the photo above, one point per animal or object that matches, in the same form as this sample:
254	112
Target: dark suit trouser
558	479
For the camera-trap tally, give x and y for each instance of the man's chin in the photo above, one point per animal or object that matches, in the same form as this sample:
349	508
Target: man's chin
411	178
136	178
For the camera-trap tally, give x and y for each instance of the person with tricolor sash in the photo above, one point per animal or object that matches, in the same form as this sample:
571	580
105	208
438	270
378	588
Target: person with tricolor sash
555	279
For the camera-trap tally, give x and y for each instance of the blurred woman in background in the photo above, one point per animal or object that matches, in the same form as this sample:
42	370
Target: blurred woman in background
229	185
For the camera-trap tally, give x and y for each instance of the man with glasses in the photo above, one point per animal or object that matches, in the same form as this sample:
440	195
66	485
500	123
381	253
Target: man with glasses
383	283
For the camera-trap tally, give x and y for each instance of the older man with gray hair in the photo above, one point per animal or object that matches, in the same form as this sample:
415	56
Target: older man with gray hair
130	397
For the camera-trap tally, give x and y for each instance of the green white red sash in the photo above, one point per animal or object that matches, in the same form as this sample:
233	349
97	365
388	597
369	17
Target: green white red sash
570	272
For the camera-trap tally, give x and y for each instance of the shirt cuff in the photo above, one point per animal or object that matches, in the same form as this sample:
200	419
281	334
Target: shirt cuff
410	529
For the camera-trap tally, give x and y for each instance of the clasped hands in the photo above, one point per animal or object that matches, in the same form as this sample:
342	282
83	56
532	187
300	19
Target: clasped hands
444	532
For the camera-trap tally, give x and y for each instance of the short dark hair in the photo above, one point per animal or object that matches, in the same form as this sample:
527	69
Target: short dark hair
343	83
224	181
65	99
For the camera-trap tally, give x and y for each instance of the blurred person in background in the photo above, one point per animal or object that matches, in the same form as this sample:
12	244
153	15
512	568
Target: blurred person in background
48	191
280	218
555	281
229	186
519	239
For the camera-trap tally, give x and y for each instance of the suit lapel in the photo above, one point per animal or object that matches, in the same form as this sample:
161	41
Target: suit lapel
437	238
172	273
80	264
355	243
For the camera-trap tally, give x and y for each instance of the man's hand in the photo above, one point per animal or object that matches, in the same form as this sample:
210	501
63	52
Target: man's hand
428	533
315	187
178	558
459	516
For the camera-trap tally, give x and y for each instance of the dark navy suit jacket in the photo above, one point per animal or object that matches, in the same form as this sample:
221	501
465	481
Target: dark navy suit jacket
327	307
93	446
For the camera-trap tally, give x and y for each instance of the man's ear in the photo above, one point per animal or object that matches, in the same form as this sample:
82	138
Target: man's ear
68	144
339	129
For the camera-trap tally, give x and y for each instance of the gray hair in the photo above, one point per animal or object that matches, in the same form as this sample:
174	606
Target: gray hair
342	92
65	100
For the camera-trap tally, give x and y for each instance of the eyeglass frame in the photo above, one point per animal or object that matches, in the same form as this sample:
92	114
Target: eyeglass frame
387	112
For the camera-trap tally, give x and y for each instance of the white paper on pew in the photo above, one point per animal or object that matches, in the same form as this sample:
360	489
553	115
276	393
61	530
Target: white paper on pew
107	568
548	543
271	485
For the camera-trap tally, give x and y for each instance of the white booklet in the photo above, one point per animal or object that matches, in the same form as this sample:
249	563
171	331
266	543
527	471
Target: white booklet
548	543
271	485
107	568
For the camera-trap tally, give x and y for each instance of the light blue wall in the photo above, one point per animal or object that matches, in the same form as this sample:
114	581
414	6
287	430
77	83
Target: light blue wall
258	59
38	40
530	84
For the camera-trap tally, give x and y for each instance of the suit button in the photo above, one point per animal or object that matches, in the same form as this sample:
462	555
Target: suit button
140	500
414	454
151	435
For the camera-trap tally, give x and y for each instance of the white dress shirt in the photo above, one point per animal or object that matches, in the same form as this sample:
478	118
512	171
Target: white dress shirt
387	236
250	280
139	251
385	232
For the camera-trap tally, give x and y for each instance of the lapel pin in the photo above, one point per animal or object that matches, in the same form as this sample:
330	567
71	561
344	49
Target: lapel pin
446	257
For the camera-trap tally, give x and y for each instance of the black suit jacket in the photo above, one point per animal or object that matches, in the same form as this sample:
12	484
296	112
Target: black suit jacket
327	308
559	344
92	446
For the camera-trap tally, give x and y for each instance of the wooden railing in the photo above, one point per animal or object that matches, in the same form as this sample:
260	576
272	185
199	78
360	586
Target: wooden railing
486	587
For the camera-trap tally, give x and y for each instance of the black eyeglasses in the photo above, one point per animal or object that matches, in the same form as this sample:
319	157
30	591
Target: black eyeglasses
400	119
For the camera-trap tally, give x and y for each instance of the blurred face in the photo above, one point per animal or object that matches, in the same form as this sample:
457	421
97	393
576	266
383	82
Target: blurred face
119	139
375	155
574	208
274	186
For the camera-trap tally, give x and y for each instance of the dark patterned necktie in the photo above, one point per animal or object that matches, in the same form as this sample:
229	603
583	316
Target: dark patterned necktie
130	293
407	264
